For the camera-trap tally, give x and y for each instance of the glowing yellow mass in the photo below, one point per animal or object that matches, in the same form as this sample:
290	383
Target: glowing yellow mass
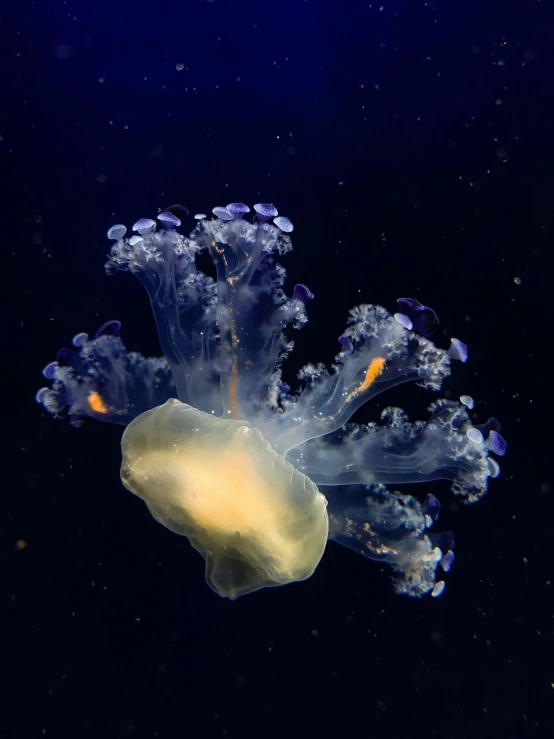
256	520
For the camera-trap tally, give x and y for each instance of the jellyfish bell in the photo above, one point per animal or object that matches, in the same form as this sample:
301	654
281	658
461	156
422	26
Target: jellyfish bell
255	519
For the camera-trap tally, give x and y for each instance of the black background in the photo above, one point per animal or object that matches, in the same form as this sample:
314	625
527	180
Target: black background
412	146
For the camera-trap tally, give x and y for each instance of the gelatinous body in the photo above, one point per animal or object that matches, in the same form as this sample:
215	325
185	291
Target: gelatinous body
256	519
222	451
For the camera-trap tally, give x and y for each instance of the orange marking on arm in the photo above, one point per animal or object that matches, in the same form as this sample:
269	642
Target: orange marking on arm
373	371
96	403
376	366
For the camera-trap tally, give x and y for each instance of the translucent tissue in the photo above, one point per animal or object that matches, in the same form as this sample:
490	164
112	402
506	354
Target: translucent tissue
222	451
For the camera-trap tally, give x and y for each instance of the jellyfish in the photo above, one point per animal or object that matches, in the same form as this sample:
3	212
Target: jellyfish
257	475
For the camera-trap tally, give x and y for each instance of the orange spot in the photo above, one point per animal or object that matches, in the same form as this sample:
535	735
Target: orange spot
20	545
373	371
376	366
96	403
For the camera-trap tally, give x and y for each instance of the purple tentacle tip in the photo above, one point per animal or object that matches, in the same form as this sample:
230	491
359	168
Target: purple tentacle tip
447	560
50	370
237	210
424	319
302	293
169	219
346	344
458	350
496	443
266	210
431	507
110	328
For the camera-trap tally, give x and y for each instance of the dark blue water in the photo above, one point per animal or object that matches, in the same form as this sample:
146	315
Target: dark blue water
411	145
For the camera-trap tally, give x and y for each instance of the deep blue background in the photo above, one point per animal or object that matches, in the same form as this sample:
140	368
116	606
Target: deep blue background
412	145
